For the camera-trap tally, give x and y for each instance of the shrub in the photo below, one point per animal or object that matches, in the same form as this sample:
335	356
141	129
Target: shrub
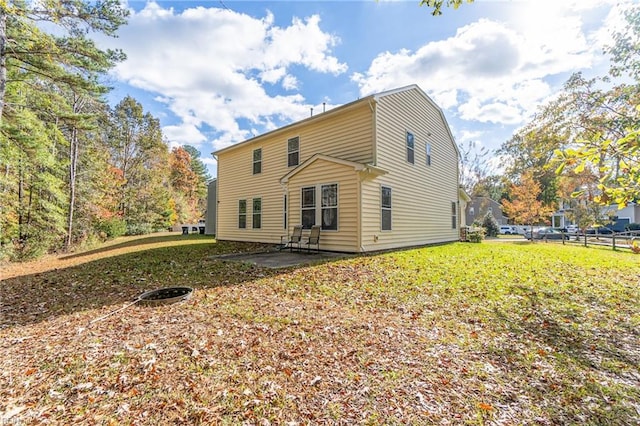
476	235
490	224
113	227
30	248
139	228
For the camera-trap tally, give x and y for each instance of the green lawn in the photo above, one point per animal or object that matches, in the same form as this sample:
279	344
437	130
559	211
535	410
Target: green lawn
492	333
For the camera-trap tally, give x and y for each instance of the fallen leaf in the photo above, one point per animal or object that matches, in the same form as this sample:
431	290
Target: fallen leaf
485	407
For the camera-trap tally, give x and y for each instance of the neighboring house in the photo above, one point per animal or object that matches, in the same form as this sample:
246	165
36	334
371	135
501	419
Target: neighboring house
212	201
377	173
620	217
478	207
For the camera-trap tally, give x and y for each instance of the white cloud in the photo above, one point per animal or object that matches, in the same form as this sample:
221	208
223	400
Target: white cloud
210	67
465	136
492	71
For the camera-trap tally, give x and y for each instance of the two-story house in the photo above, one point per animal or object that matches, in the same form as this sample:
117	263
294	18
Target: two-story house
478	207
377	173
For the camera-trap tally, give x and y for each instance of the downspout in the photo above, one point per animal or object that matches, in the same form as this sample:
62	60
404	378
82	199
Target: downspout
374	160
359	207
374	133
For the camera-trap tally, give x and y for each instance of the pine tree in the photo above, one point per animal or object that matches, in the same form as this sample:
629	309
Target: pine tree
139	153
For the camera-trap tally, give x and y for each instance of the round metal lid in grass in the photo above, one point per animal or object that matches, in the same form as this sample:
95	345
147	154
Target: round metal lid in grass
165	296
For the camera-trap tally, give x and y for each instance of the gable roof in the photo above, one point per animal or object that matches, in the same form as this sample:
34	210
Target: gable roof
358	167
430	101
354	104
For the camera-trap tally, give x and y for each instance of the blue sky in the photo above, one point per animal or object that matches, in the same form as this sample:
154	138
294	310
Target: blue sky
218	72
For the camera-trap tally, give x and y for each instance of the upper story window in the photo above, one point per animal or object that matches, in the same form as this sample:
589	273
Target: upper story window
410	147
428	151
293	151
257	161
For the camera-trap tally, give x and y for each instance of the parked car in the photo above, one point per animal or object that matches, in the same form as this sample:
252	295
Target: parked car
599	230
508	229
546	233
572	229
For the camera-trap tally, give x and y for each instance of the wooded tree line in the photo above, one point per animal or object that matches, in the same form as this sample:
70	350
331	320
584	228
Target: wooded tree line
73	169
580	150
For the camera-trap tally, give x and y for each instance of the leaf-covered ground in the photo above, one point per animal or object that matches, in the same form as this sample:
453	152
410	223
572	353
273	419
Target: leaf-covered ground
492	333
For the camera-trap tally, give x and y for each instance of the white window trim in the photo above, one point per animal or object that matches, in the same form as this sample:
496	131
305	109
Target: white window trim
387	208
318	204
406	147
454	205
242	214
253	212
291	152
253	161
285	211
315	203
337	206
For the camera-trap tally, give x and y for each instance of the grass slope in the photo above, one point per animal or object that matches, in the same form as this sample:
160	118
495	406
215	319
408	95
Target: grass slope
500	333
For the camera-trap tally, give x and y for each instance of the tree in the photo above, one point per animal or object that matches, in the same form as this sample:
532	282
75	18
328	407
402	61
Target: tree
198	167
577	192
609	140
474	165
490	224
525	206
185	182
32	186
531	150
49	69
139	153
68	55
436	5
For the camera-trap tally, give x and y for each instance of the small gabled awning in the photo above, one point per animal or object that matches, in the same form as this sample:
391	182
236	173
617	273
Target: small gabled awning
366	169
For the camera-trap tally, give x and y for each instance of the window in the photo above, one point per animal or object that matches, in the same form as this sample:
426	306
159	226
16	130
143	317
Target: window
242	214
308	207
454	215
386	208
326	212
329	207
410	150
293	151
428	151
286	222
257	161
257	213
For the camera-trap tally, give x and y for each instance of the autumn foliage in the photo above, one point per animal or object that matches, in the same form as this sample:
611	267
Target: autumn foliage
525	207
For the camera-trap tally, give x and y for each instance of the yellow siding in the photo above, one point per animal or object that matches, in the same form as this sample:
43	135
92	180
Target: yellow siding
347	135
421	194
323	172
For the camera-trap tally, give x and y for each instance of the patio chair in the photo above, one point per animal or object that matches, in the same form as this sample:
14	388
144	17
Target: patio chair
295	238
314	238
